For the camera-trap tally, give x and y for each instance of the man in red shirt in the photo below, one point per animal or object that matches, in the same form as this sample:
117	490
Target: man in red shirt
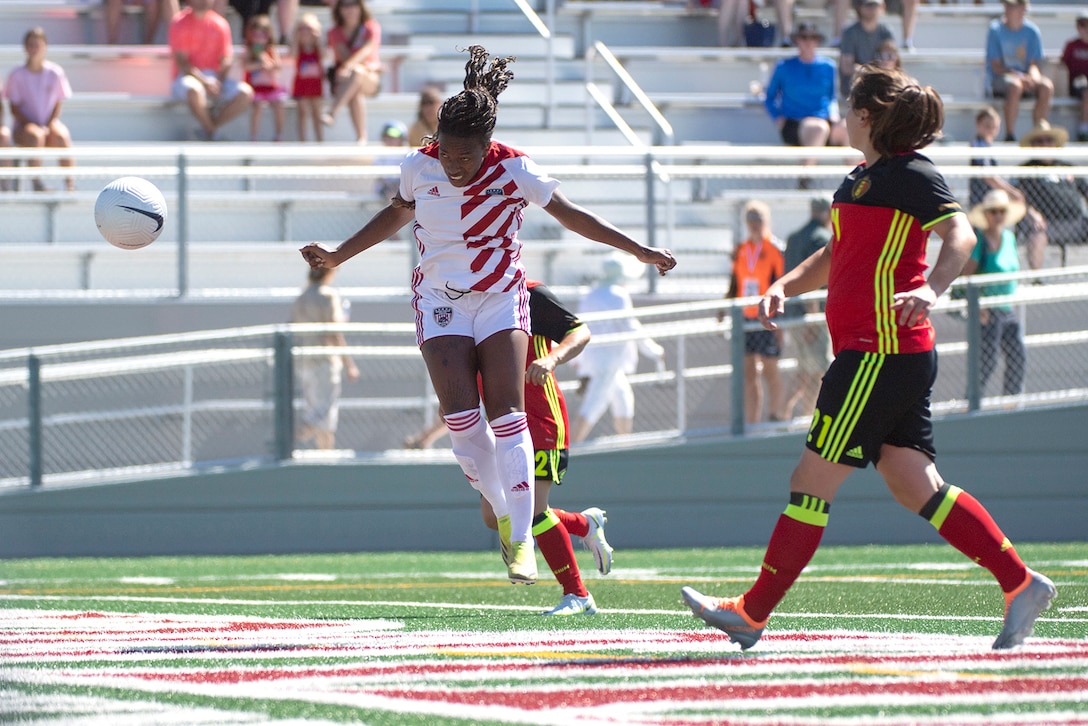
200	42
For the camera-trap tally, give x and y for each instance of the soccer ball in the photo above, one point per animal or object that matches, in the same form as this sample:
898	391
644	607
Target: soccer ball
130	212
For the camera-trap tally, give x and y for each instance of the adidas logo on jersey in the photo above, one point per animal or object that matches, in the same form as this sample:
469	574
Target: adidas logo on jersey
855	453
433	191
520	488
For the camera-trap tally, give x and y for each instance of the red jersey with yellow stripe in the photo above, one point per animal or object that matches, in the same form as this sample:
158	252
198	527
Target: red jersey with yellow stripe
881	220
545	407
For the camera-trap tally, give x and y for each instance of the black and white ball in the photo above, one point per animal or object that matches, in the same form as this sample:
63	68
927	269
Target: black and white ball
130	212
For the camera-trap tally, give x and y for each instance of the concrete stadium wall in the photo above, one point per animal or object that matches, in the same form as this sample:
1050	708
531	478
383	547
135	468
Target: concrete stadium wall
1027	467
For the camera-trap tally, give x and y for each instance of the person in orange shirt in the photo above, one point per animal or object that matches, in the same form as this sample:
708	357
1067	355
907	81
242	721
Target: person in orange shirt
203	52
758	262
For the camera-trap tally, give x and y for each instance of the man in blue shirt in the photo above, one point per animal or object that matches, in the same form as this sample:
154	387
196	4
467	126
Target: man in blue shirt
801	94
1014	56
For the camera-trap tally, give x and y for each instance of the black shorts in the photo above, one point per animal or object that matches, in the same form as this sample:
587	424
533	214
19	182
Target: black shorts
762	342
550	465
871	399
789	132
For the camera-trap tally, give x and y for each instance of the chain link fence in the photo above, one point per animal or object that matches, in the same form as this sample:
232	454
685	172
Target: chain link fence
141	406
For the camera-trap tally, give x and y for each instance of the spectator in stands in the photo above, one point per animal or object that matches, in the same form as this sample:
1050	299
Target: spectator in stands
1075	59
156	13
908	12
734	15
321	376
757	263
262	66
861	40
987	129
801	94
5	142
36	91
394	133
355	39
811	343
309	83
887	57
996	253
604	367
1014	58
203	53
426	123
286	10
1057	203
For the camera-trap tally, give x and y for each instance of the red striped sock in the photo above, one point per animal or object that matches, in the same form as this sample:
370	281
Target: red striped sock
553	541
966	525
795	539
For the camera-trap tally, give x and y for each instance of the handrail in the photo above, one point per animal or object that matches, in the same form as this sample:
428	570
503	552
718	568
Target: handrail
544	30
660	122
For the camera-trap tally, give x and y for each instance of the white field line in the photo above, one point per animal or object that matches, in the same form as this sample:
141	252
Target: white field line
487	606
621	573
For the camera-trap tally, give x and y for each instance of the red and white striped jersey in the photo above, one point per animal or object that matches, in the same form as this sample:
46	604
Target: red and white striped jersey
467	236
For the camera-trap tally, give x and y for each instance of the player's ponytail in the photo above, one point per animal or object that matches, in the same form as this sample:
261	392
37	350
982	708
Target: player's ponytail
903	115
472	112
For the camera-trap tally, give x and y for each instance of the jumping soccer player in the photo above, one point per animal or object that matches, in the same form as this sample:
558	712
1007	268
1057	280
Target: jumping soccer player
467	194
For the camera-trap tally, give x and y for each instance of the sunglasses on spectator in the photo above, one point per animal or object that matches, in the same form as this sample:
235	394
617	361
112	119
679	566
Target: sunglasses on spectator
997	210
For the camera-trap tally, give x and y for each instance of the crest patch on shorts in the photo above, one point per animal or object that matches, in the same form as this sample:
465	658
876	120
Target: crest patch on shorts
443	316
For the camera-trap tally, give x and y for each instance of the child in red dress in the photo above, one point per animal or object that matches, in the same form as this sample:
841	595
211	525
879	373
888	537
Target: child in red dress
309	75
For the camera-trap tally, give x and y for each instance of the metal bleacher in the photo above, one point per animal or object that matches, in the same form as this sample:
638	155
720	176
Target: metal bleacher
667	48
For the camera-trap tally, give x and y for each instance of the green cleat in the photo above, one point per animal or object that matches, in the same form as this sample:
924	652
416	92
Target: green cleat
504	538
522	566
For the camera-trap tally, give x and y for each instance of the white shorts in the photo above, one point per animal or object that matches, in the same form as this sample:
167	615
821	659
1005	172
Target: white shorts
320	382
180	88
476	315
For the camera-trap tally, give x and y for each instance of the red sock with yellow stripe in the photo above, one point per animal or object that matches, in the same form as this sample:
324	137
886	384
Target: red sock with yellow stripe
553	541
966	525
794	541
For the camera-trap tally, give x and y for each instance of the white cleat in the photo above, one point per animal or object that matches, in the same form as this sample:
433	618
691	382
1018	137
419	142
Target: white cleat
595	542
574	605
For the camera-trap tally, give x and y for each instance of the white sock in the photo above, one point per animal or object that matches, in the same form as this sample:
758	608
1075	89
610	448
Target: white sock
474	446
514	454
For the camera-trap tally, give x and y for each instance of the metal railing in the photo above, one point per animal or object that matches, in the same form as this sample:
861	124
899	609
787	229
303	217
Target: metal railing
144	406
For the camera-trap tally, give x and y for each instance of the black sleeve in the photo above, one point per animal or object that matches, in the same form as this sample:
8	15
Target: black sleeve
549	317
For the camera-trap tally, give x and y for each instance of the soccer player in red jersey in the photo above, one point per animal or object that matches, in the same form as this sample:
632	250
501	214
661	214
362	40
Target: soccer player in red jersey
873	404
467	195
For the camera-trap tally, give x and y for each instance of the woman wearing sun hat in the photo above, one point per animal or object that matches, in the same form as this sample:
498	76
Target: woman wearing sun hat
996	253
1057	200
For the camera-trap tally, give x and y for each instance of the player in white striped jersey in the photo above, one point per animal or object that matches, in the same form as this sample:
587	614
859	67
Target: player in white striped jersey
467	194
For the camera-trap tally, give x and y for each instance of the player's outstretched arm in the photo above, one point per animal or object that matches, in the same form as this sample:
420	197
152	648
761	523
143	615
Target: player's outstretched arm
381	226
810	275
591	226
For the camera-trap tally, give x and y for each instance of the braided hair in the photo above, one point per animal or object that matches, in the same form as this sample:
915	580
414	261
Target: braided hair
904	115
472	112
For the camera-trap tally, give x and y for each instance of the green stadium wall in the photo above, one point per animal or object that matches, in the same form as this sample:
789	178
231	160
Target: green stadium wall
1028	467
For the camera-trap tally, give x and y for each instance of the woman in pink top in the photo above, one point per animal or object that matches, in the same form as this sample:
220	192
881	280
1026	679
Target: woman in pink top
35	92
354	39
5	141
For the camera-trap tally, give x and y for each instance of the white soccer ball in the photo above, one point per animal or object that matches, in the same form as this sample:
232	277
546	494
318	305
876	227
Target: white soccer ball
130	212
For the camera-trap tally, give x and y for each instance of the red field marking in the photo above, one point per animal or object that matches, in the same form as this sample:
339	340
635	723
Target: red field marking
622	676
